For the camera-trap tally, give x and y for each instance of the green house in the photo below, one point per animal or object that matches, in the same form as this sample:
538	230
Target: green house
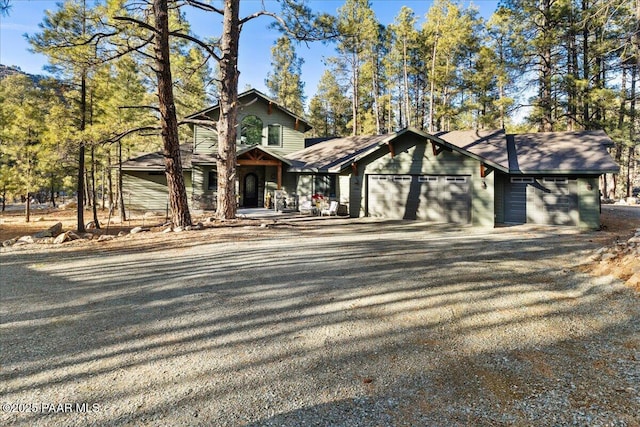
467	177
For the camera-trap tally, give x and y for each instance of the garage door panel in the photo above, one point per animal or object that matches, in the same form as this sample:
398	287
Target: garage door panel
550	200
423	197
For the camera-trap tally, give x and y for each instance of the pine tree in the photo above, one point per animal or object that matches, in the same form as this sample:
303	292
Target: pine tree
285	81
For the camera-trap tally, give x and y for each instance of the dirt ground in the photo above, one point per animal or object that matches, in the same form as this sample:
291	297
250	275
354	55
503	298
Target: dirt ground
320	322
618	224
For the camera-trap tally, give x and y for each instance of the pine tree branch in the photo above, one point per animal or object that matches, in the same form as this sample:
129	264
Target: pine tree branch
151	107
128	132
204	6
200	43
139	23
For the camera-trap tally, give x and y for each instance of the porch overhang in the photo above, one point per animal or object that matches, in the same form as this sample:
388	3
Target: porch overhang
257	156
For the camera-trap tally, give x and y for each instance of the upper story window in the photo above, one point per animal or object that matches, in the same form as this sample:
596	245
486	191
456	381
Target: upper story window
251	130
275	135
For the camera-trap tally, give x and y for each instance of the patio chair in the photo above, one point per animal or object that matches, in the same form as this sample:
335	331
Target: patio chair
332	210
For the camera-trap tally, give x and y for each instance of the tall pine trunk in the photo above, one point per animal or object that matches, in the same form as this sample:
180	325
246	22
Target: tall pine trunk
227	130
83	123
94	200
123	212
178	202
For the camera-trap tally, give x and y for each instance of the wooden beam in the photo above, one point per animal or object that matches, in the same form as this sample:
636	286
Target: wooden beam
297	124
354	168
269	108
483	170
436	149
392	149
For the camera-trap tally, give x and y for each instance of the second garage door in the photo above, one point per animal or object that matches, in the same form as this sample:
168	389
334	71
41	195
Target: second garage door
423	197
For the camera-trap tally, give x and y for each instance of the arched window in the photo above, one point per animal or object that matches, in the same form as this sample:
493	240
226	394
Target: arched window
251	131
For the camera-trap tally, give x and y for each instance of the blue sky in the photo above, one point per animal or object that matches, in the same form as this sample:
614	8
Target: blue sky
255	42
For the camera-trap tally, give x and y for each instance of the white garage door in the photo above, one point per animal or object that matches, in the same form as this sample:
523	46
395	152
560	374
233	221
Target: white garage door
423	197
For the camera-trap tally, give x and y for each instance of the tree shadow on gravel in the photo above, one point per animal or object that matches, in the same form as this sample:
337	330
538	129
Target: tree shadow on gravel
271	330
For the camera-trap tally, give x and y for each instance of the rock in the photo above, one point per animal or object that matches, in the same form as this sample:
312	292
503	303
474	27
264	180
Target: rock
106	238
54	230
198	226
167	230
122	233
40	219
8	243
61	238
88	236
178	229
634	239
26	240
602	250
136	230
73	236
188	228
634	280
608	256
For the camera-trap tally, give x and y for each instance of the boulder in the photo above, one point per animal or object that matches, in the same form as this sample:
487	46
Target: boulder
8	243
178	229
106	238
167	230
54	230
122	233
26	240
61	238
136	230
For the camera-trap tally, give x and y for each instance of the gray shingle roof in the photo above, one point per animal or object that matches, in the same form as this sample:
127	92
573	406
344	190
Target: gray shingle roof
488	145
155	161
583	152
335	154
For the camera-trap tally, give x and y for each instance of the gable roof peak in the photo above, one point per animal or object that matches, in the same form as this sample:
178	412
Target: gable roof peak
257	95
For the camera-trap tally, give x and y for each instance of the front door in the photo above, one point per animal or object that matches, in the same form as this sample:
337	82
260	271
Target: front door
251	190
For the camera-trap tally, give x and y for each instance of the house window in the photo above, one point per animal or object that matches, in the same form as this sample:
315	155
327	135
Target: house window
325	185
212	182
275	135
251	131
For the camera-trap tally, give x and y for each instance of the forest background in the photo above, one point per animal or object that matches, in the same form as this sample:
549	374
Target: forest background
531	65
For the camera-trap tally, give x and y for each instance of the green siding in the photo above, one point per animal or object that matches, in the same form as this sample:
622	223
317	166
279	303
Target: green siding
205	140
589	203
144	191
498	183
415	157
203	198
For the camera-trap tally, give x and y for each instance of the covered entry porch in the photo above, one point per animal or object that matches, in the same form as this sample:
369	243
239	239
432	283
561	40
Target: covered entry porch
260	175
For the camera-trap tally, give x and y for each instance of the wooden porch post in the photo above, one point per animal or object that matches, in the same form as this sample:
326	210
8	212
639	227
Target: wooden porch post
279	168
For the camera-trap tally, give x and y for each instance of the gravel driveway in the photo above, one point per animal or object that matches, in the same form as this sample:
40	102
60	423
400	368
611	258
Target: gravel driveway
340	323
